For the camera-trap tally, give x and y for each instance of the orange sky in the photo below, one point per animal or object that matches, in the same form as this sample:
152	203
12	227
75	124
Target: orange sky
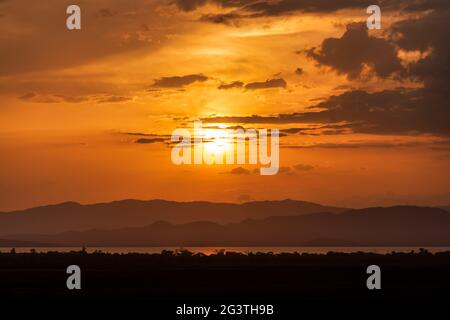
70	99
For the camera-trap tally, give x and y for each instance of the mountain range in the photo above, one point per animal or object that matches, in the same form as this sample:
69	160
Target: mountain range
72	216
378	226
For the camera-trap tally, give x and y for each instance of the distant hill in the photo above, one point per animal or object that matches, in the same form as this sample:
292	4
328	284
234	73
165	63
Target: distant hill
16	243
72	216
391	226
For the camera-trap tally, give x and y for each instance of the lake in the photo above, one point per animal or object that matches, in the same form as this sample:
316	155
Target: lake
212	250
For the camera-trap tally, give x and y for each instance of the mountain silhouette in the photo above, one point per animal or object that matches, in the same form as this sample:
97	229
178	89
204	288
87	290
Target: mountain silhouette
378	226
16	243
72	216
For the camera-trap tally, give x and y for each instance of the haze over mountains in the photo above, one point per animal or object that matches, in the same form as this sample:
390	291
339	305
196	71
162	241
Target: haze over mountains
72	216
390	226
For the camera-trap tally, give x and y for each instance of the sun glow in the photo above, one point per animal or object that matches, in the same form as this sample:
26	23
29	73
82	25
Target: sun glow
216	141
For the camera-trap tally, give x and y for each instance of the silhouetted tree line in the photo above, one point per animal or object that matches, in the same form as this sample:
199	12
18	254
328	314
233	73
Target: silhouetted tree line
186	258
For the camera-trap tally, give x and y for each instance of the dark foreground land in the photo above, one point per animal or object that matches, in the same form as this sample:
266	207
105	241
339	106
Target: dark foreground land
183	277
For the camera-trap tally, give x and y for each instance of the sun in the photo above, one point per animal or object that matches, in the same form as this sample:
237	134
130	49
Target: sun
216	141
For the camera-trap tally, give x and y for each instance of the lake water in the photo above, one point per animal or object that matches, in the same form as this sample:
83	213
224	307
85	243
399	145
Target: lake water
212	250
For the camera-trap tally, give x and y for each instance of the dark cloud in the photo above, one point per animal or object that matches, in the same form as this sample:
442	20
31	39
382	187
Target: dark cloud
58	98
235	128
239	170
28	96
282	118
356	145
283	7
272	83
423	34
299	71
114	99
150	140
190	5
259	8
179	81
235	84
72	99
222	18
152	135
399	111
423	110
422	5
276	8
285	170
292	130
303	167
355	49
138	134
183	118
53	98
247	9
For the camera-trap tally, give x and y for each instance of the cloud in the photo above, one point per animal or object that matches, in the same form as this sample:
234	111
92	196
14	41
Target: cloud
59	98
72	99
250	9
235	84
275	8
303	167
293	130
426	34
222	18
179	81
284	170
272	83
283	7
299	71
150	140
115	99
282	118
39	41
423	5
239	170
53	98
146	138
357	144
421	110
28	96
139	134
190	5
355	49
400	111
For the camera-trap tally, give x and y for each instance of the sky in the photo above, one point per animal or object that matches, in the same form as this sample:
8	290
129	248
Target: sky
86	115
